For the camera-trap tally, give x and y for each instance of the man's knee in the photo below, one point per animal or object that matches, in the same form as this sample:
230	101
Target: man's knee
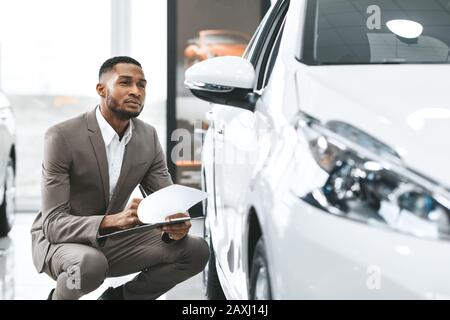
199	253
89	273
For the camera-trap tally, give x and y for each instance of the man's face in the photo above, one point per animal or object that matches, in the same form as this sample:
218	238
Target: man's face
125	90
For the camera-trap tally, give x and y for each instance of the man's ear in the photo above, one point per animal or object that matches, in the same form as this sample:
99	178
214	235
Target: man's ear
101	90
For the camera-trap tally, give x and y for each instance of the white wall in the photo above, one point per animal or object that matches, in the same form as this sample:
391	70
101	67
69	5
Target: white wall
56	47
149	44
51	46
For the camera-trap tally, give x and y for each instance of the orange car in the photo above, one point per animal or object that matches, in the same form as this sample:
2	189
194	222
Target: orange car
215	43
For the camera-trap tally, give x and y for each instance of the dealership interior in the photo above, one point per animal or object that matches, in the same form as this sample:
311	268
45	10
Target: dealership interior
311	134
49	63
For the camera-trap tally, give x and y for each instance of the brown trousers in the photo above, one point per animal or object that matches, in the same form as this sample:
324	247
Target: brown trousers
79	269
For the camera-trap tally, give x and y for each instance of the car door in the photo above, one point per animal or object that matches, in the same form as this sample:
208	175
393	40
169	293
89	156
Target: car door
237	139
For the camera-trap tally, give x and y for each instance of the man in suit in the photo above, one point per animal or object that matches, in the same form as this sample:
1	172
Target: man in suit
91	165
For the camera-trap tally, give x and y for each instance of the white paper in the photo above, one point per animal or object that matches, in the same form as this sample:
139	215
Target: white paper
167	201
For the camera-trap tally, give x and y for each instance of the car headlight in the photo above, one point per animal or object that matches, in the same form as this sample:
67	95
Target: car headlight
366	181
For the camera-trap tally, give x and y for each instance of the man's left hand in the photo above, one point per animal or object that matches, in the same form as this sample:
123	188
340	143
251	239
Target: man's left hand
179	230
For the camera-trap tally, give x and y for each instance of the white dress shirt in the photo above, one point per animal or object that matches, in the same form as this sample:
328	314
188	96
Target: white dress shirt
115	148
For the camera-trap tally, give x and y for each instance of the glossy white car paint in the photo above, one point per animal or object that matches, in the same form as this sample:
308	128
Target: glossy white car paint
405	106
258	163
212	69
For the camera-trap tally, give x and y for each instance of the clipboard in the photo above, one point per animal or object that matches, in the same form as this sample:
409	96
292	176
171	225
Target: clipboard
145	227
155	207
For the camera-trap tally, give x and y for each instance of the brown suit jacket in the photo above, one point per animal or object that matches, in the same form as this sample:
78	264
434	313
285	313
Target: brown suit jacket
75	182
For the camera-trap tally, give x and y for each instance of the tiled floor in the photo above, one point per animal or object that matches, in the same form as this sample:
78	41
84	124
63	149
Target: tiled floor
19	279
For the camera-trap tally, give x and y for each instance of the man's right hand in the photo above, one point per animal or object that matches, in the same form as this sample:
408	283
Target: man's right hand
123	220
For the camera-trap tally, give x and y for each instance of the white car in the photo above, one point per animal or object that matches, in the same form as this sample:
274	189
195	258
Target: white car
326	161
7	166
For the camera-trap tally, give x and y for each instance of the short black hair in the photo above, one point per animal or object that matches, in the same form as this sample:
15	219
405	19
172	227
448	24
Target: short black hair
109	64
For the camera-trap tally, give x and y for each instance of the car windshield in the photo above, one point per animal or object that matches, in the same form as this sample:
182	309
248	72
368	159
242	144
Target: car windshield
225	39
376	31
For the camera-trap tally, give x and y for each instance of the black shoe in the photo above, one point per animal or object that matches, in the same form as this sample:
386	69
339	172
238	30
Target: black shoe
50	296
112	294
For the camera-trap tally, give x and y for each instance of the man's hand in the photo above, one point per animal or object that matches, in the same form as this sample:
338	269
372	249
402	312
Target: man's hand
179	230
123	220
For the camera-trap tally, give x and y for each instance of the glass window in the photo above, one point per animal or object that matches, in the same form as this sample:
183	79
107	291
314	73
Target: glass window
225	31
273	56
274	31
377	31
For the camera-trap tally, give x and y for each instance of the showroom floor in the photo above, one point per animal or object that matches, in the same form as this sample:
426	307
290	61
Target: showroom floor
20	281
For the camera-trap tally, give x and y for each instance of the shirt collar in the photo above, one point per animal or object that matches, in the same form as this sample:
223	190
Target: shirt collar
108	133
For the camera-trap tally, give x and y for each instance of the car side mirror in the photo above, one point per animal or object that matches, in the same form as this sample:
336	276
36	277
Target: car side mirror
223	80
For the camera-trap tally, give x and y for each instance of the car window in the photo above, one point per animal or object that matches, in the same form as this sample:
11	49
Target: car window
263	32
273	56
269	45
251	48
376	32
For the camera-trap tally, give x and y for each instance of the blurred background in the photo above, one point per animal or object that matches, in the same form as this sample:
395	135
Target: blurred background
49	59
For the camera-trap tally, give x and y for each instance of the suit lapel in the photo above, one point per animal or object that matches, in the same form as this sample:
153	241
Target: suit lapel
98	145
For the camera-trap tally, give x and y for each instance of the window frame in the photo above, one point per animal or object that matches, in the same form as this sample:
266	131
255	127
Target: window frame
267	36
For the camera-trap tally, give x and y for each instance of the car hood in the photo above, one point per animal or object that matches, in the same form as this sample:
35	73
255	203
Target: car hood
405	106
